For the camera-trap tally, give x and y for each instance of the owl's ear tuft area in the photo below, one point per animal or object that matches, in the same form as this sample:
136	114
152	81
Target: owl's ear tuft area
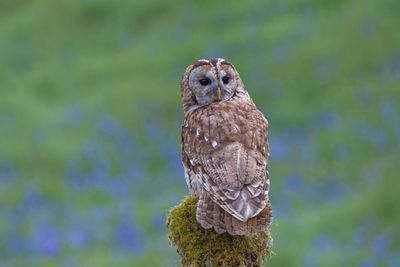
205	247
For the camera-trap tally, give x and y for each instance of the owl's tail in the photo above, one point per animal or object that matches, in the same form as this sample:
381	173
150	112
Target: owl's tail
210	214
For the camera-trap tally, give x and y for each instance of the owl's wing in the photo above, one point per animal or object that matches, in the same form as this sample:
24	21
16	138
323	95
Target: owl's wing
233	170
238	183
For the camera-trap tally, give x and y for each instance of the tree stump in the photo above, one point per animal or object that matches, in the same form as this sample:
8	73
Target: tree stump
204	247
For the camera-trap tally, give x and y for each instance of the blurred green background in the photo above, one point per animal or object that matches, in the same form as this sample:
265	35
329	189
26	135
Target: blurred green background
90	118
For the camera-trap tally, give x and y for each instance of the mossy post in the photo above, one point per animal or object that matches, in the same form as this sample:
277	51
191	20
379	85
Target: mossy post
204	247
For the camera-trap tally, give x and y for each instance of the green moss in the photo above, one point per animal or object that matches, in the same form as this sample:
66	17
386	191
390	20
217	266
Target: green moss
204	247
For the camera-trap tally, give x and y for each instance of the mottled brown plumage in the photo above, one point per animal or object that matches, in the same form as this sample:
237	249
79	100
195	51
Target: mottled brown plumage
224	150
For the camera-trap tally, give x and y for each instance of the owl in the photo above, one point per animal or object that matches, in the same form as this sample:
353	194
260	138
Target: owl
224	150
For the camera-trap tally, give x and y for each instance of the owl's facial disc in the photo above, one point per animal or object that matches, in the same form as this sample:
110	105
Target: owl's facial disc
227	80
203	83
209	85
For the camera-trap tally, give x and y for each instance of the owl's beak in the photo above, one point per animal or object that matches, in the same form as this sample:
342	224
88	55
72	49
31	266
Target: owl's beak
218	93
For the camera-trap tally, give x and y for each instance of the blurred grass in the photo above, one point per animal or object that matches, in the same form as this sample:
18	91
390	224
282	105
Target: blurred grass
90	119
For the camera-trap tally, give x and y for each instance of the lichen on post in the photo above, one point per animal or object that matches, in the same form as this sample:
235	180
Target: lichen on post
204	247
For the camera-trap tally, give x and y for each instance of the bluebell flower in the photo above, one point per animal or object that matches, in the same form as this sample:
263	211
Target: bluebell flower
128	236
278	148
46	239
380	245
369	262
324	243
294	183
77	236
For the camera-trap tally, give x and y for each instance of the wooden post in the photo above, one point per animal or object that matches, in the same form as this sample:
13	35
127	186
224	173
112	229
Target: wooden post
204	247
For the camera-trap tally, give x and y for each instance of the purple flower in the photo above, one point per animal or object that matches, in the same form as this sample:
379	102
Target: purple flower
381	245
128	236
117	187
283	209
154	130
294	183
294	134
388	109
77	237
278	148
337	191
16	244
159	221
32	199
380	139
324	243
108	125
126	142
134	172
46	239
367	263
331	121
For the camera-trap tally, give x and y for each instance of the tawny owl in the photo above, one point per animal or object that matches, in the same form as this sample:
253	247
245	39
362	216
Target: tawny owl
224	149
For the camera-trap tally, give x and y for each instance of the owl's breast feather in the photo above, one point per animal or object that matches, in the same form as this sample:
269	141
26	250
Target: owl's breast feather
227	122
213	127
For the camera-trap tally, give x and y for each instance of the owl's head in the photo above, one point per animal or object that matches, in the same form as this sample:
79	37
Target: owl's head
208	81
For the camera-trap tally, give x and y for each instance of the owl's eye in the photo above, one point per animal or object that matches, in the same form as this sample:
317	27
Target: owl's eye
225	79
205	81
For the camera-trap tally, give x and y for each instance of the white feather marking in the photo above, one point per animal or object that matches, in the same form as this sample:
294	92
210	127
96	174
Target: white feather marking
197	131
234	130
219	60
233	196
257	184
245	195
240	205
256	194
251	190
247	212
193	107
214	144
187	125
192	162
187	179
238	158
205	138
